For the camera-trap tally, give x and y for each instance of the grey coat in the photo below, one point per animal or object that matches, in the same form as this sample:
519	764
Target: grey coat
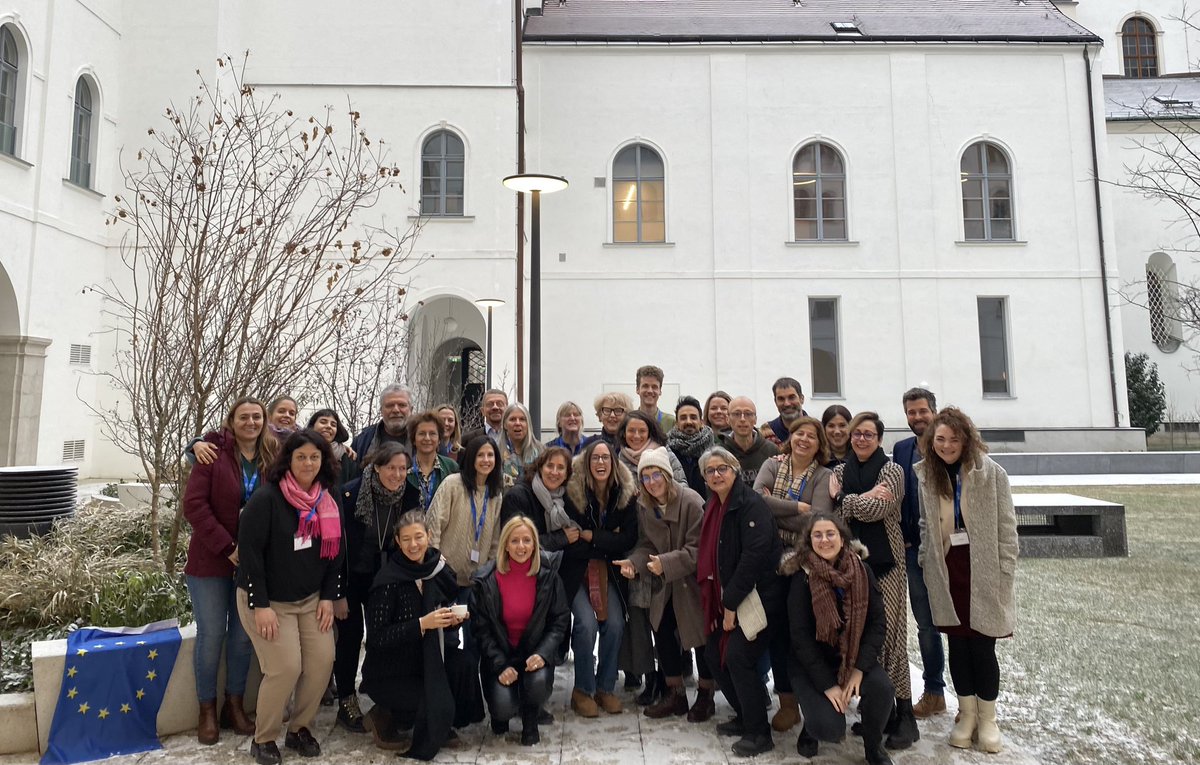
675	539
987	509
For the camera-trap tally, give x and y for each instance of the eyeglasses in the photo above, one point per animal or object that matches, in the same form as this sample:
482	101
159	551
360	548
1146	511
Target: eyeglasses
830	535
742	414
654	476
608	412
863	435
717	470
601	458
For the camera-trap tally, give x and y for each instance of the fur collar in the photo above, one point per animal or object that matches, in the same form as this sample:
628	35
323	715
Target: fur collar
577	486
792	561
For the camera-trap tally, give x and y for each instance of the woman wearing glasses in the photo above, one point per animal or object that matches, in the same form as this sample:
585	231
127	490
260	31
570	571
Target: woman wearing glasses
735	568
868	489
610	410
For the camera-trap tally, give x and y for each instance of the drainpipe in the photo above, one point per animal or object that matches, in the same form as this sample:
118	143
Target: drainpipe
518	28
1112	363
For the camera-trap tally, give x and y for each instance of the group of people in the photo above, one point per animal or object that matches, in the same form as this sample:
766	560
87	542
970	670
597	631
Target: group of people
666	545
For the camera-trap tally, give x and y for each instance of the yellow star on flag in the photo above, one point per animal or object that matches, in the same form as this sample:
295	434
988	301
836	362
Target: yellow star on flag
81	652
153	654
83	708
72	693
119	642
151	675
140	694
125	709
71	672
103	713
141	642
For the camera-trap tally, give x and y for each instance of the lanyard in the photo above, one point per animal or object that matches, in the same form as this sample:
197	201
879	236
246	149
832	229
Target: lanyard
476	518
427	487
659	418
312	513
958	516
796	495
248	485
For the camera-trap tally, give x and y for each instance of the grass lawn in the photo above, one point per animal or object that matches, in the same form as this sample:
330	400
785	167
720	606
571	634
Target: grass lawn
1104	665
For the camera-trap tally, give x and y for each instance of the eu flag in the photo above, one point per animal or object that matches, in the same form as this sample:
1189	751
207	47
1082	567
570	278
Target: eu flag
113	683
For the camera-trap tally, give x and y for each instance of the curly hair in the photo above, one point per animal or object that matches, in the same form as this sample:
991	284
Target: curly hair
973	447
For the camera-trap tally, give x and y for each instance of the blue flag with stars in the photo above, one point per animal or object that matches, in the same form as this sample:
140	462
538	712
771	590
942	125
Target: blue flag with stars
113	684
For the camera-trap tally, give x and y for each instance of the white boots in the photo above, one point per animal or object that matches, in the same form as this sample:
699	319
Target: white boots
976	720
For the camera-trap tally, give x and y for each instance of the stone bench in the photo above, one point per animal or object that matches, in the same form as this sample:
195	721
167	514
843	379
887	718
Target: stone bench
1069	526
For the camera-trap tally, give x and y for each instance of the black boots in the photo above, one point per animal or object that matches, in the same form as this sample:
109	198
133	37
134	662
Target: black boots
529	727
905	732
806	745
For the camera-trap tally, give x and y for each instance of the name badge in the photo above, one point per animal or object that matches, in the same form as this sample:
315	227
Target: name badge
959	538
301	543
474	556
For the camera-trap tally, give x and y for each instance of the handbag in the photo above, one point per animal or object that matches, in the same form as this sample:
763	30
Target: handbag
751	615
597	584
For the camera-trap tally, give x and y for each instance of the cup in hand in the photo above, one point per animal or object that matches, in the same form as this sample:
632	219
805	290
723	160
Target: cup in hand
459	610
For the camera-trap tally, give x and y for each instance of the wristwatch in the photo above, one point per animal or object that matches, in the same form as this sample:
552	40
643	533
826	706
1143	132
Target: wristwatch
841	495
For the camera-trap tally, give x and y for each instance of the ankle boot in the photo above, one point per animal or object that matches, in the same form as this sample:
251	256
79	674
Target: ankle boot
704	707
989	731
207	732
654	691
233	716
674	702
964	726
788	715
876	754
529	726
906	733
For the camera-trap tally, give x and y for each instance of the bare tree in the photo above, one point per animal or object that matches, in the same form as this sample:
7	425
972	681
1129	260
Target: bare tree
241	263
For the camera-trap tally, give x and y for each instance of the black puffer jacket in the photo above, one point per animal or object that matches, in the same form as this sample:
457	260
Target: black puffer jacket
547	626
748	550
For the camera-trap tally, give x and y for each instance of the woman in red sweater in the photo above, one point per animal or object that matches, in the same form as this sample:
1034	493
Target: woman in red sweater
521	617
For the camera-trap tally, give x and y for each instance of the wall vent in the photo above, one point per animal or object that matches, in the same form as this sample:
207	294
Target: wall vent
73	451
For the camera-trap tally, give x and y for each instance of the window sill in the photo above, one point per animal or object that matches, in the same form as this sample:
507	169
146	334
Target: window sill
991	243
999	397
821	243
638	244
82	189
443	218
828	397
14	159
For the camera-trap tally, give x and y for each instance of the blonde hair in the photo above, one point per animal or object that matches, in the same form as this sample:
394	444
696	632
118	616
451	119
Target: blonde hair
506	532
612	400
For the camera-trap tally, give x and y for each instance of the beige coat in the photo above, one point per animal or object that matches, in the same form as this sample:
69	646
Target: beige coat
675	539
451	532
988	512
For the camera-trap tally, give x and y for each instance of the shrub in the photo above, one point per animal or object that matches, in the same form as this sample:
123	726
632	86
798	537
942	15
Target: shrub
1147	393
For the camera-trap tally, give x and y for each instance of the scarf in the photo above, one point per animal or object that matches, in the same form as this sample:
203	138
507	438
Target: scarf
376	503
789	486
860	477
633	456
707	575
318	513
400	570
849	575
553	503
690	446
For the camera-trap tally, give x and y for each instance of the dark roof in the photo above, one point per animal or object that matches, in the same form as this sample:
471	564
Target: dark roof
1157	98
805	20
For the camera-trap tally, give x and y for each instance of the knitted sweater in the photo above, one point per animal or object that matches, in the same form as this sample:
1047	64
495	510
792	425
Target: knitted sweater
451	530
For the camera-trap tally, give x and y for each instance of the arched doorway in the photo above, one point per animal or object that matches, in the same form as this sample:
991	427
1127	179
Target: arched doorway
22	368
446	361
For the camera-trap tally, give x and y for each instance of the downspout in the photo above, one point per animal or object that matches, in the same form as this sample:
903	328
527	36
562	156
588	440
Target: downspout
1112	365
518	28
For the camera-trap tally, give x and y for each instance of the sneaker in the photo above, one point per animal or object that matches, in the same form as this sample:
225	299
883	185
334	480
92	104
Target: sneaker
303	742
609	703
583	704
929	705
750	746
732	727
265	754
349	715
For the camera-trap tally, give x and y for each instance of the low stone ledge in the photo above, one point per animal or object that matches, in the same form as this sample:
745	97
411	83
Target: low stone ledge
18	723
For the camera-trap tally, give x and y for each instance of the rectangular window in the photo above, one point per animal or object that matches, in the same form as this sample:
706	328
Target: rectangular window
73	451
823	340
993	346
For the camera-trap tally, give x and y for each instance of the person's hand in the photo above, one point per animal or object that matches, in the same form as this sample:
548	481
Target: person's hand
534	663
325	615
655	566
627	569
880	492
508	676
233	556
341	609
437	618
266	623
353	455
835	488
205	452
730	620
802	508
853	686
834	694
586	535
572	533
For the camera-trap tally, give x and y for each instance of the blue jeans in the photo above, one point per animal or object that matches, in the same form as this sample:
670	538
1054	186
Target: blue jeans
214	606
588	676
933	658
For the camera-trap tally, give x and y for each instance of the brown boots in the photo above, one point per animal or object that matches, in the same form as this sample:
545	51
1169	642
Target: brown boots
207	732
788	715
674	702
704	707
234	717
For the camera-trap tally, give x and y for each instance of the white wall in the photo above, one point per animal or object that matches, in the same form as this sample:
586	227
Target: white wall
1178	46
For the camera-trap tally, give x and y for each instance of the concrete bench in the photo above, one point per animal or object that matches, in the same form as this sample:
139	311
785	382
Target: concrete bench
1069	526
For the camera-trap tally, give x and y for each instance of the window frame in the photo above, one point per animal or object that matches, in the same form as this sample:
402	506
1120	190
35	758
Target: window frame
820	177
19	75
82	167
443	159
1166	329
636	145
839	392
985	179
1005	346
1140	61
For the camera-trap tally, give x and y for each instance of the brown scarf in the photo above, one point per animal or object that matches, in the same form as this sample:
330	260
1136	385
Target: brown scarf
849	576
793	487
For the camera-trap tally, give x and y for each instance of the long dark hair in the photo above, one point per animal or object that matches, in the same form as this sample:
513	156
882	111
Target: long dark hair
494	482
341	435
804	544
656	434
586	459
326	476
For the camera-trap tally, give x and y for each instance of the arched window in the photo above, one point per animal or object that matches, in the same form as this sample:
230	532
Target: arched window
81	135
819	193
1162	301
10	70
1139	45
443	161
986	193
638	196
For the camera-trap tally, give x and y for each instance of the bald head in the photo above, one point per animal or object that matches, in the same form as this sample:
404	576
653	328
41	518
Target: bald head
743	416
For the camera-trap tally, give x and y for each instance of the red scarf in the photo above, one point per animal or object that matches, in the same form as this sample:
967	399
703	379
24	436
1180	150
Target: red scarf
707	575
318	513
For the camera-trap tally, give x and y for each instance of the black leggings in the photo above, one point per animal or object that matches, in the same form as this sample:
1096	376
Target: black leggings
973	666
348	642
671	656
528	692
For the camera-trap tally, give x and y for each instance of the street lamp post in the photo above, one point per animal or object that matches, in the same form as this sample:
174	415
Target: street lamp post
489	304
535	184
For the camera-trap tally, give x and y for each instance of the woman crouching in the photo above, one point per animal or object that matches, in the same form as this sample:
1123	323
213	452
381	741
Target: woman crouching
521	618
838	627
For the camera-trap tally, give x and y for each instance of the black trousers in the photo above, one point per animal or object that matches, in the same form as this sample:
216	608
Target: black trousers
349	637
973	666
529	692
781	642
738	676
671	656
825	723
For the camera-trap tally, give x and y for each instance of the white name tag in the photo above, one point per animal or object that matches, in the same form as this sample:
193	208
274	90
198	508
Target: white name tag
301	543
959	538
474	556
